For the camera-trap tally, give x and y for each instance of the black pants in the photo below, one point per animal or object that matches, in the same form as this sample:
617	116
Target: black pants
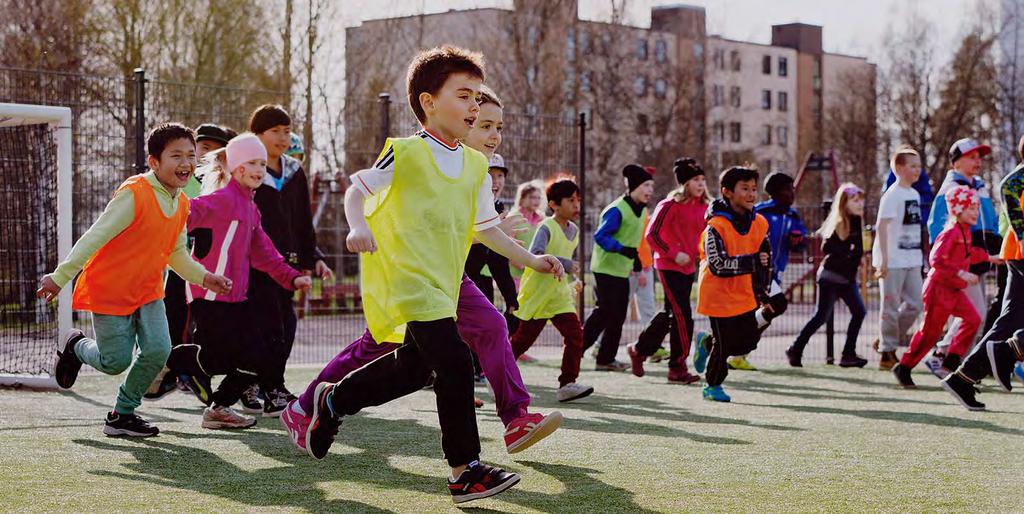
828	294
1011	319
226	342
430	346
608	317
733	336
996	307
274	312
177	309
677	306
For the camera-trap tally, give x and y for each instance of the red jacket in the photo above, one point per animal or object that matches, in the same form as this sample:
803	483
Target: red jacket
676	227
951	254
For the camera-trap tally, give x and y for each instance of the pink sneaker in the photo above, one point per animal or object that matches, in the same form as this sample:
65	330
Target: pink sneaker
296	425
526	431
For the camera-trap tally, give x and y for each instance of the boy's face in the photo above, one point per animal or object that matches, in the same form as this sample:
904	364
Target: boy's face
743	196
969	164
970	214
909	170
175	164
643	192
250	173
206	146
276	140
454	109
785	195
497	181
568	208
485	136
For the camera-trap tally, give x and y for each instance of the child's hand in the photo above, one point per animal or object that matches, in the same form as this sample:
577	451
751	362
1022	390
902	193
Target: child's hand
968	277
323	271
682	259
997	260
360	240
575	269
48	289
881	271
548	264
219	284
302	283
764	258
513	225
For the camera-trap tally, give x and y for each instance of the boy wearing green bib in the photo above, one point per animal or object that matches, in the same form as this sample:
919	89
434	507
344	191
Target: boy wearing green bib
542	298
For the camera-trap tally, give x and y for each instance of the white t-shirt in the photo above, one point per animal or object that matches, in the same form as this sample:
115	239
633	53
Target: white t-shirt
901	205
449	160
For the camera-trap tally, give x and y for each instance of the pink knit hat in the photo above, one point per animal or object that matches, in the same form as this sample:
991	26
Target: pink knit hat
244	148
959	198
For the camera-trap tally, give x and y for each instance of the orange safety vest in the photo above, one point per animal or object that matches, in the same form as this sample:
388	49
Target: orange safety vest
643	251
1011	249
127	272
725	297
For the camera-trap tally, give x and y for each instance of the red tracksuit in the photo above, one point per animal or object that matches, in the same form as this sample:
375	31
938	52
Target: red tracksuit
944	295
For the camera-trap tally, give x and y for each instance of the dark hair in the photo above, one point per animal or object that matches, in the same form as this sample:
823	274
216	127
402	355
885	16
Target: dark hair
430	69
268	116
164	133
488	96
561	189
731	176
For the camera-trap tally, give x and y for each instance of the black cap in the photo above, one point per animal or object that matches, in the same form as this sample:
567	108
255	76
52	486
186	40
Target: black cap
685	169
635	176
209	131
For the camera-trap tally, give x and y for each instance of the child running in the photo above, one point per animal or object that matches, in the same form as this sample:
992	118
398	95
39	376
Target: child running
735	272
229	238
479	322
415	239
674	234
843	245
122	258
543	297
944	295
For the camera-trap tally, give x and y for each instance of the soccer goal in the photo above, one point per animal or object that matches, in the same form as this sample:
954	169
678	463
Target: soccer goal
35	216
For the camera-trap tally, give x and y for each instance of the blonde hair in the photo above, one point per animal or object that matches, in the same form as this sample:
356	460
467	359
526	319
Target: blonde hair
900	157
838	220
215	169
527	188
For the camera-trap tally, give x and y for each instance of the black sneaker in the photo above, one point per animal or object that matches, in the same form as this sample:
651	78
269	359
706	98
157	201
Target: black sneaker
250	400
852	361
165	384
480	481
128	425
1002	359
795	357
276	402
68	365
198	385
322	425
903	376
963	391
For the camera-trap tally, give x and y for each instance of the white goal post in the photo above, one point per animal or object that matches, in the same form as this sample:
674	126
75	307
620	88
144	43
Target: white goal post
59	120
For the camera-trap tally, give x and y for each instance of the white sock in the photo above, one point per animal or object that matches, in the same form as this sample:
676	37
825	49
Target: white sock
453	478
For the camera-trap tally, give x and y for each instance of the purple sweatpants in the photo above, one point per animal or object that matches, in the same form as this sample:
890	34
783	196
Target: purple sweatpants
480	325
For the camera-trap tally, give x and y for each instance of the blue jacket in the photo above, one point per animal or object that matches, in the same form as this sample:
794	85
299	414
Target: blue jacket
923	186
988	220
781	222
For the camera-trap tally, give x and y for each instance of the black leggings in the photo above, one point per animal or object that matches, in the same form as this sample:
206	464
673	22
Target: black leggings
608	317
677	305
733	336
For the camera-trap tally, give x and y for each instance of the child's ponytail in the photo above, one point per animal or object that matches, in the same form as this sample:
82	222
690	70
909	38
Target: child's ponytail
215	169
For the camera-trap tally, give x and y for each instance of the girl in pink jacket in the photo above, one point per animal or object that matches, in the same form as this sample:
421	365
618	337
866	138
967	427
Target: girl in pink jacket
674	234
229	238
950	259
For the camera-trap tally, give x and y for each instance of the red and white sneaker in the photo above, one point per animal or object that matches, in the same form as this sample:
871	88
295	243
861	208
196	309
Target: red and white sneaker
296	424
525	431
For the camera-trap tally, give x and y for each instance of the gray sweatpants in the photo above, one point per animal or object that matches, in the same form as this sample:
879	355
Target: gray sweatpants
901	305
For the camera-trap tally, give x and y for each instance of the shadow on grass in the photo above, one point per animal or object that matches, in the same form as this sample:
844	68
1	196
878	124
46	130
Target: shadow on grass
811	393
156	418
919	418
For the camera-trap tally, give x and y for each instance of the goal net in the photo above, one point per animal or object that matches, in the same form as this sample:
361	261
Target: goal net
35	216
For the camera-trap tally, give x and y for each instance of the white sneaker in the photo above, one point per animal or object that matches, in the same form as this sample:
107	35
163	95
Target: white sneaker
216	417
934	365
573	391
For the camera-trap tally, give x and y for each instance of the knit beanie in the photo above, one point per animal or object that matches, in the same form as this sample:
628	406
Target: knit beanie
959	198
686	169
245	148
635	176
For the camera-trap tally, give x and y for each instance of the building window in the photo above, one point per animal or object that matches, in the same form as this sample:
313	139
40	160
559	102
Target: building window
641	49
660	88
734	96
698	50
606	42
641	123
766	65
531	75
717	95
734	60
719	59
783	67
718	131
766	136
767	166
735	132
783	101
584	43
640	86
585	81
783	136
816	74
660	51
531	35
570	45
766	99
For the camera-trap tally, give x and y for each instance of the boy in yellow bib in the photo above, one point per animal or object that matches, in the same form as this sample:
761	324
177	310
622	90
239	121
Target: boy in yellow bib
543	298
415	233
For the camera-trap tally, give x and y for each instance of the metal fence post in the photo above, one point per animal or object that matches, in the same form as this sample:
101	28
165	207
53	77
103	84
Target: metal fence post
140	120
582	253
384	101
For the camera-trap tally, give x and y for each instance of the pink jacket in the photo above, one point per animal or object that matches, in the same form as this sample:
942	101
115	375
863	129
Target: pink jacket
951	254
676	227
229	239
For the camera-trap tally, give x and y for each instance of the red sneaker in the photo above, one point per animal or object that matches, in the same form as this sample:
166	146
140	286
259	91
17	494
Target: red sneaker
296	424
525	431
636	360
681	376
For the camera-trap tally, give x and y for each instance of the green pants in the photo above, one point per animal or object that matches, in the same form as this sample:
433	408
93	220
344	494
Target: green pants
116	339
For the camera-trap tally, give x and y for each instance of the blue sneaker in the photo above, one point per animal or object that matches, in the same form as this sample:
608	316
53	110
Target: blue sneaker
700	359
1019	371
716	394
